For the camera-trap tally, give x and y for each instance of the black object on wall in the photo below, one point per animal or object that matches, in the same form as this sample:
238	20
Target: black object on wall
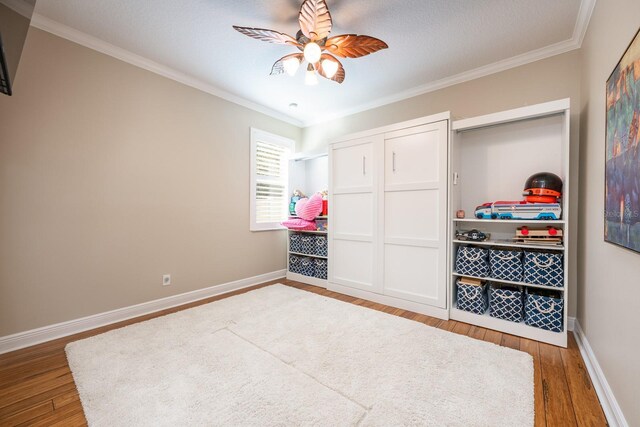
5	81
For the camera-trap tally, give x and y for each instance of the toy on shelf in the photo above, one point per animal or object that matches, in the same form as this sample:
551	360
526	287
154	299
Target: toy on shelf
543	187
325	202
519	210
297	195
471	235
542	192
545	236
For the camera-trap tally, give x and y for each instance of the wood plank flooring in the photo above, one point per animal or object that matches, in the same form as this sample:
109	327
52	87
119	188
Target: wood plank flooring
37	388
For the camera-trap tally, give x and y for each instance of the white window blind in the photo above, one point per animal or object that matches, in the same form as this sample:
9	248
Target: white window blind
269	179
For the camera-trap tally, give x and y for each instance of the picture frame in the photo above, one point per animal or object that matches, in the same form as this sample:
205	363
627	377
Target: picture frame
622	151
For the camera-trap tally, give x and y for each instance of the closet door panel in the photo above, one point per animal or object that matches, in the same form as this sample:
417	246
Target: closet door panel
412	157
353	264
412	272
353	168
353	209
353	214
415	214
412	214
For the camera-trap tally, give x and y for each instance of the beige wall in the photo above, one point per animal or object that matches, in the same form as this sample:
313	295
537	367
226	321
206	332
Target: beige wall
14	28
112	176
608	306
553	78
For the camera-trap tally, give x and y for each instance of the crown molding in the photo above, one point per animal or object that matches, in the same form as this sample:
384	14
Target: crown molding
66	32
21	7
56	28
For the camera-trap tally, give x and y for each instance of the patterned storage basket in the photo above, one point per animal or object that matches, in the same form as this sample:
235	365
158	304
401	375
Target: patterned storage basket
544	310
505	303
294	242
295	265
506	264
320	268
307	244
321	246
543	268
307	267
472	298
472	261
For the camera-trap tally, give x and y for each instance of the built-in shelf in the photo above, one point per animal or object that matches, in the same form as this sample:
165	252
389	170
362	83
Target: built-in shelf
513	328
308	231
509	282
511	245
307	255
314	281
549	222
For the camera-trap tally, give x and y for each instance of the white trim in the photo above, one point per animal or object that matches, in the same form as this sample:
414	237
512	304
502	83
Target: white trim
610	406
20	7
575	42
43	23
523	113
47	333
571	323
582	23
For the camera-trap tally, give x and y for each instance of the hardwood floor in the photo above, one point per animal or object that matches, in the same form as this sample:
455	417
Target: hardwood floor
37	388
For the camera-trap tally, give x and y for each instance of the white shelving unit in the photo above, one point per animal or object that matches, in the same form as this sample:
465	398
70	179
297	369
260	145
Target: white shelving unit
309	172
491	158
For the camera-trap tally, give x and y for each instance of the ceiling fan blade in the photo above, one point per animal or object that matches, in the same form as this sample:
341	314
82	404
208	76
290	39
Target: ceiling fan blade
354	46
338	76
278	67
315	19
269	36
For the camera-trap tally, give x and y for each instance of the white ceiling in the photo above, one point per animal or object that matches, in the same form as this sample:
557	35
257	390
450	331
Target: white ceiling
432	43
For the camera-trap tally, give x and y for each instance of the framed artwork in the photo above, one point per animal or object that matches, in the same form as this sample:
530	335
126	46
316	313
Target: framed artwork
622	156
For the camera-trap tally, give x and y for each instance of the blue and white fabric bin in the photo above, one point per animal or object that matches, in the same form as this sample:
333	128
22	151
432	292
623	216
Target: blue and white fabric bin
320	268
472	298
544	268
506	264
505	303
321	246
307	244
472	261
544	310
294	242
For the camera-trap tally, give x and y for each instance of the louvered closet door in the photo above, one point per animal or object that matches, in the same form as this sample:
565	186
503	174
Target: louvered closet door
353	213
415	209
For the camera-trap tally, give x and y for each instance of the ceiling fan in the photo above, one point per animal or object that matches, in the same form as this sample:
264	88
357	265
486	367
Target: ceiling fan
316	47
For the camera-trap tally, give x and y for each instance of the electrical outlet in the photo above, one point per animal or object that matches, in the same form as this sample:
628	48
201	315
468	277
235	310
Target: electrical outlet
166	279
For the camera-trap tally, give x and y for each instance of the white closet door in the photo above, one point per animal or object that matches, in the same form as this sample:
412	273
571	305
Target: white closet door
353	207
415	209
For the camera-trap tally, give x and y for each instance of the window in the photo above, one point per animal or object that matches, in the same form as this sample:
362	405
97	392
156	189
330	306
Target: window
270	156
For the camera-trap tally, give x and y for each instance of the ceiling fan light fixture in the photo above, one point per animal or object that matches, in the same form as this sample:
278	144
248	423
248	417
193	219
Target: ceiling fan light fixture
312	52
291	65
330	68
311	79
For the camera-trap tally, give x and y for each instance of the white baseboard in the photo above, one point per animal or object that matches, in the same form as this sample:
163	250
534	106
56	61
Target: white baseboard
47	333
610	406
571	323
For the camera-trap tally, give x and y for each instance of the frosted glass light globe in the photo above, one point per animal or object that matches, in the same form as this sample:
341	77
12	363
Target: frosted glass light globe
312	52
291	65
310	78
329	67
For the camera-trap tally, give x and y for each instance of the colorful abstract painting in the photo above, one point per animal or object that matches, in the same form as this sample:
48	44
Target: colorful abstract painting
622	169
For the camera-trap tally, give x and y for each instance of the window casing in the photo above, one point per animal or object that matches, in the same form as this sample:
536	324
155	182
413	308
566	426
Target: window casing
269	191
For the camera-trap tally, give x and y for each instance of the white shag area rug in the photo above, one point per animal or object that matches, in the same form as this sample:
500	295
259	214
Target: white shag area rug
279	356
